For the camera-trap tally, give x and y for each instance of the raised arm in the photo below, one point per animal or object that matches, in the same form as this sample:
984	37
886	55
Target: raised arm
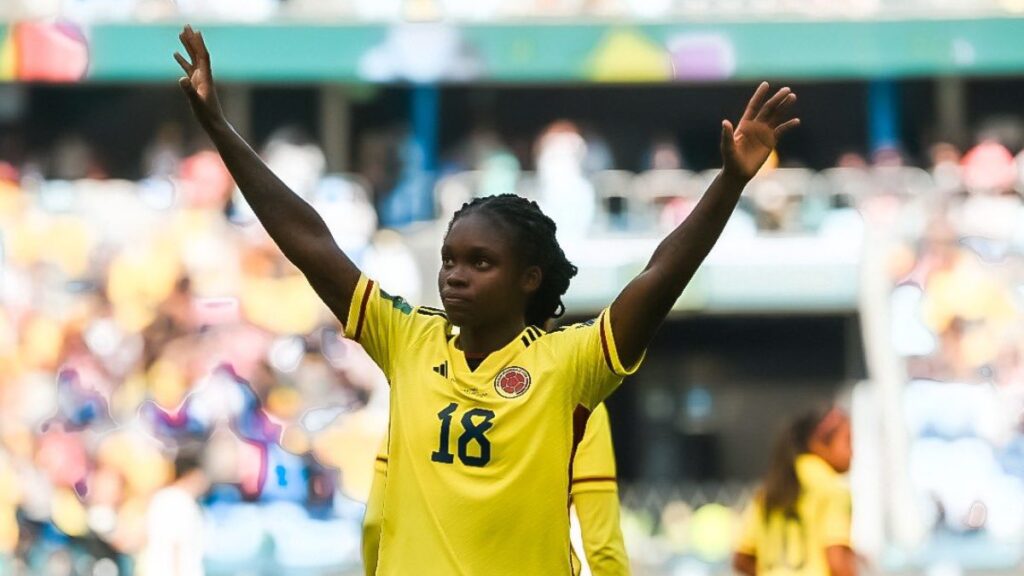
294	225
646	300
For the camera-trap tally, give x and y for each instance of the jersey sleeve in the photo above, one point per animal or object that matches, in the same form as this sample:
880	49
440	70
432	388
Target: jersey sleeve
750	526
836	517
594	464
602	533
592	354
380	322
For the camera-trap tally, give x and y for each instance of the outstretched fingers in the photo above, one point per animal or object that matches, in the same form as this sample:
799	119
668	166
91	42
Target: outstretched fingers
786	127
784	110
756	102
195	44
201	50
185	65
186	41
728	135
767	112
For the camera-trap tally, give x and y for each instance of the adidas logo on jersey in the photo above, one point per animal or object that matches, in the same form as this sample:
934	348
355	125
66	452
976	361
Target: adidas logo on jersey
441	369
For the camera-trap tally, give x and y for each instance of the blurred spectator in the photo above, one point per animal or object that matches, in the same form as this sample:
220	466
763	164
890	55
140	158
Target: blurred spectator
852	160
945	168
598	155
1019	160
564	193
204	181
989	168
888	157
499	174
174	320
164	154
174	534
74	159
481	144
10	498
295	159
348	212
993	208
664	154
485	152
381	163
392	263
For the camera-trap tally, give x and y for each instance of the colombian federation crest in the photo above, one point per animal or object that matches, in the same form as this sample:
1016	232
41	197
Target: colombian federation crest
512	382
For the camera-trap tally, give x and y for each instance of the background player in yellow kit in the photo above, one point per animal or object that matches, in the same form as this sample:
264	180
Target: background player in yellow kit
799	522
484	424
595	495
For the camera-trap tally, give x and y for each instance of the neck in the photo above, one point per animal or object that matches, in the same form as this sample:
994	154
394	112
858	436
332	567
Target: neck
821	455
482	340
190	484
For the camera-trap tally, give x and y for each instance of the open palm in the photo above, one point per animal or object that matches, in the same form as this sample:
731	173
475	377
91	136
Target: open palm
746	147
198	80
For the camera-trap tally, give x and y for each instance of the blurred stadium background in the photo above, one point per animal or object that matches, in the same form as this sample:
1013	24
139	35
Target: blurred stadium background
879	259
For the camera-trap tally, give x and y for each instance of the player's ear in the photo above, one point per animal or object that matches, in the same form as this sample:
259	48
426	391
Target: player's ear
531	279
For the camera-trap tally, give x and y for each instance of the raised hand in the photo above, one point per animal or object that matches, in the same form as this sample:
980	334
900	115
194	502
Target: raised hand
198	80
745	148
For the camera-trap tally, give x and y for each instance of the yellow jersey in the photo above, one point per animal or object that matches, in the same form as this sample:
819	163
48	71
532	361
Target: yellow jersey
795	546
479	461
595	496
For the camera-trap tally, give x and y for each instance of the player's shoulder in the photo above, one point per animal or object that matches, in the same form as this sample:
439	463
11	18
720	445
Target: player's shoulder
422	314
434	314
837	488
830	489
432	321
570	335
575	328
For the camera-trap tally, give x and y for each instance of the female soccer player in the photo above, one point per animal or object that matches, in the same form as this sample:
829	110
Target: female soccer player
484	424
799	523
594	493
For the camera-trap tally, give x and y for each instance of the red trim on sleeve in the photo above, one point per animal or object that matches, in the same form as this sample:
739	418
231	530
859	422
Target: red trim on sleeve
604	346
362	309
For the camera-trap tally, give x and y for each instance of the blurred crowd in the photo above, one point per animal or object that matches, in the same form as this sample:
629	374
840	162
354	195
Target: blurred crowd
957	313
146	320
140	319
479	10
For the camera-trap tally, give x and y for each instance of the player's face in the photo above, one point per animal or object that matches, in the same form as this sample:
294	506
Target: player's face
839	449
481	280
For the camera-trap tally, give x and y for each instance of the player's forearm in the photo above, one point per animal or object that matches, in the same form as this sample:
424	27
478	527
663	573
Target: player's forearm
842	561
679	255
744	564
642	306
600	526
293	224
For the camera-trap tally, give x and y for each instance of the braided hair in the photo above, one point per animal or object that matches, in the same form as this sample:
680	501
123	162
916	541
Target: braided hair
534	239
